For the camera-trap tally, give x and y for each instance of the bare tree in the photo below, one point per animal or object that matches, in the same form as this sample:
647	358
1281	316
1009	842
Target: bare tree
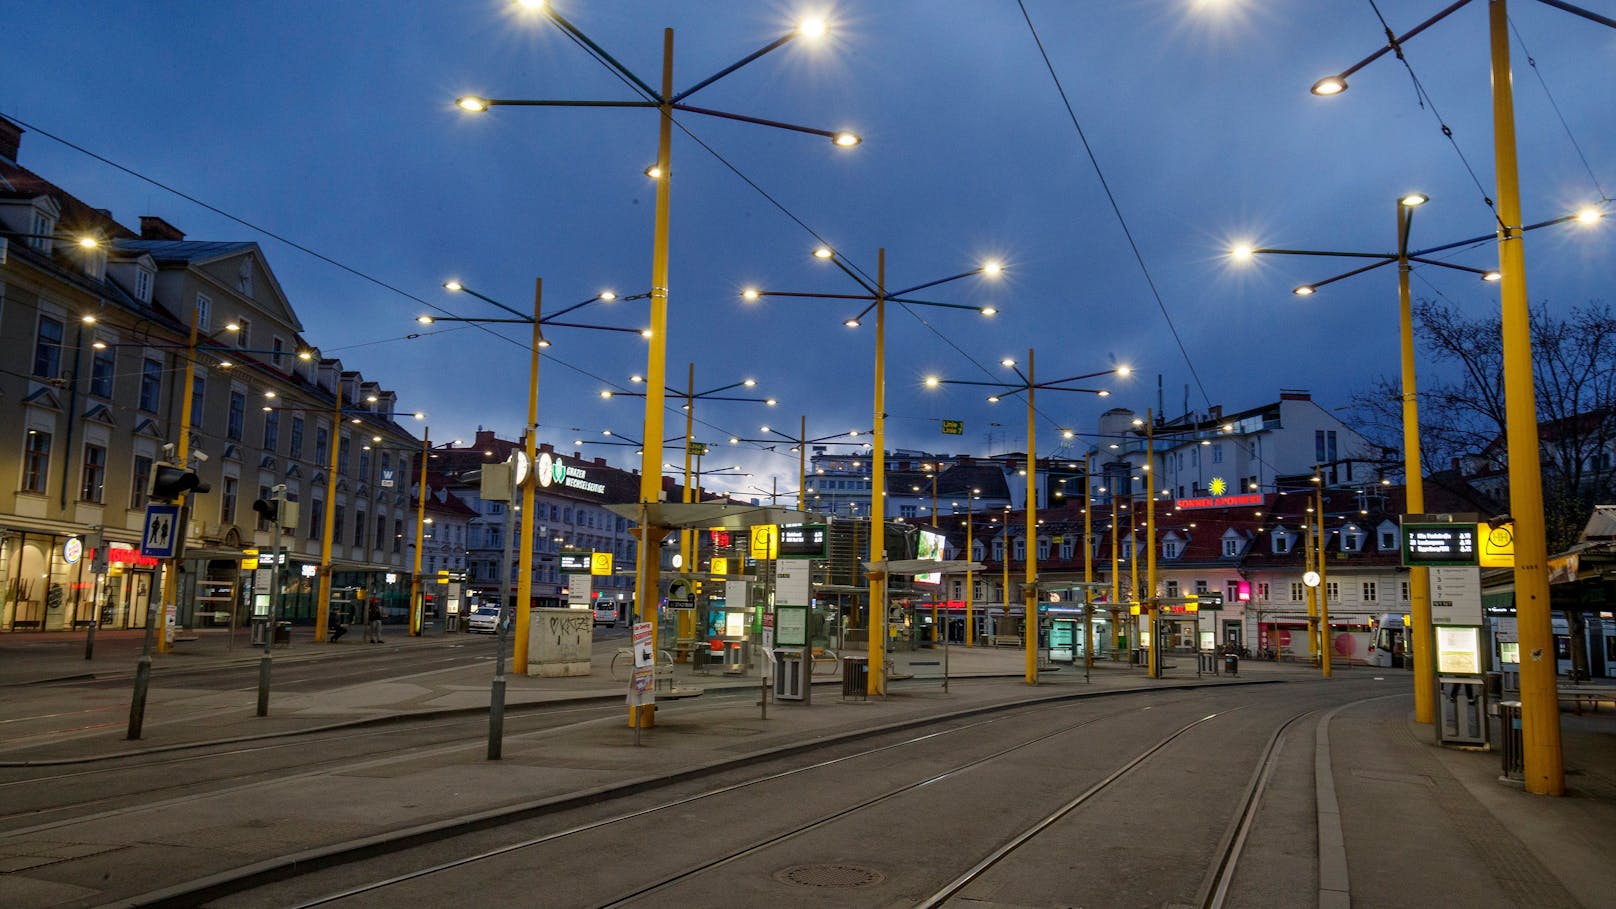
1461	403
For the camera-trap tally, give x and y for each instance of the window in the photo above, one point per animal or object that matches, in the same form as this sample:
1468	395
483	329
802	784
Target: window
322	441
204	314
998	550
1298	592
1043	548
1170	549
316	518
1323	446
243	330
342	454
103	366
238	416
244	277
1231	592
1404	591
151	385
264	493
1125	551
228	492
143	284
1217	453
1066	547
906	511
1262	591
1332	589
398	536
297	439
48	348
279	347
381	531
336	525
1231	547
359	527
1388	539
199	391
1170	589
1021	549
93	483
139	477
1353	540
1369	591
36	461
1282	542
272	430
364	464
44	226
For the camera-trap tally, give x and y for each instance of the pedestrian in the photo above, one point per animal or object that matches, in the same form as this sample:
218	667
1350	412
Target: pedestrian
375	617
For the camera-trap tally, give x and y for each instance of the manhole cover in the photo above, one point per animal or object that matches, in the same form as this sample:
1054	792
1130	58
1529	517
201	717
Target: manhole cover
830	876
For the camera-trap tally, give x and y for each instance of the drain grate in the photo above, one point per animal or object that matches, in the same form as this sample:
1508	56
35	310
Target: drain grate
830	876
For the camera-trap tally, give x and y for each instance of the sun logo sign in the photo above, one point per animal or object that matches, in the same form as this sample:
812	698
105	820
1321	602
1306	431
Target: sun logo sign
1218	486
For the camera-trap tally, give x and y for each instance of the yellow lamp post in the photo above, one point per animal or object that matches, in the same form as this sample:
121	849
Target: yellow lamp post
1029	386
799	444
1324	588
1413	472
1540	706
970	557
876	296
537	321
666	102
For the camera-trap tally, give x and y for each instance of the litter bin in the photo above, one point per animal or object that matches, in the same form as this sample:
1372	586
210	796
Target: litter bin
855	677
260	632
283	634
1509	715
1231	663
451	623
791	675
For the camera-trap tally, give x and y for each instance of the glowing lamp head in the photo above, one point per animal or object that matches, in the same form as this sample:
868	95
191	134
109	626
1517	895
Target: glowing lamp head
1493	276
1589	215
606	393
988	311
851	323
1306	290
654	172
1329	85
1124	370
424	320
992	268
931	382
749	383
1007	362
751	293
608	296
845	139
823	252
1413	200
811	28
1242	252
453	286
993	399
88	243
472	104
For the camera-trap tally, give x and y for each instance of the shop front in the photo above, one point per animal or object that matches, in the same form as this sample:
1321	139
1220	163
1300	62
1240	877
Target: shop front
47	584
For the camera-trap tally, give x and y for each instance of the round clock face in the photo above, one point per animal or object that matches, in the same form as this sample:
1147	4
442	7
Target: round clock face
1501	536
1311	579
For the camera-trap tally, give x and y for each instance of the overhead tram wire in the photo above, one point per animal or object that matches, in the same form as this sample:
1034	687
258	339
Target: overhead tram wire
1532	62
1116	209
1424	98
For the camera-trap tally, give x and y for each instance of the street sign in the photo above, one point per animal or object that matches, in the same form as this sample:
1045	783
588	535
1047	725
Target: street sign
387	478
163	536
801	541
249	559
953	427
698	448
1497	545
576	561
765	541
600	563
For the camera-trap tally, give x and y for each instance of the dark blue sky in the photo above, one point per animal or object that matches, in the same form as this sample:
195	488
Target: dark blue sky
333	125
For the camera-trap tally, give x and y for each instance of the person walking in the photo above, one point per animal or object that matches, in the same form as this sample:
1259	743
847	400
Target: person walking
374	616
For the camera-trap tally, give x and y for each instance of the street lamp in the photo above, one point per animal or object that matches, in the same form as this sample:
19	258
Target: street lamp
665	102
524	554
1425	686
877	296
800	443
1030	387
1540	706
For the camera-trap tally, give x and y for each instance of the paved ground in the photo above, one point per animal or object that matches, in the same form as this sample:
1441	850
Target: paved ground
1416	818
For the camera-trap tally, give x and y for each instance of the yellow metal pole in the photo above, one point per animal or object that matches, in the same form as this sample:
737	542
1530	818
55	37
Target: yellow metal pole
182	452
1419	579
970	579
1118	608
417	605
322	605
650	544
1312	590
1540	706
936	468
685	622
1088	561
878	504
1324	592
1029	595
524	555
802	465
1150	542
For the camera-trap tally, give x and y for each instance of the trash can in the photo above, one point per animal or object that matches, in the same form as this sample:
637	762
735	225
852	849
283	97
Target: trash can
260	632
283	634
1509	715
791	674
451	623
1231	663
855	677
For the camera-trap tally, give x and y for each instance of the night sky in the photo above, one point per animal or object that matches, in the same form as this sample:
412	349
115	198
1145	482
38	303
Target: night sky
333	125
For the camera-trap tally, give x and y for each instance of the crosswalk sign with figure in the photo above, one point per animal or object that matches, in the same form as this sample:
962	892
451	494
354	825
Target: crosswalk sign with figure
163	534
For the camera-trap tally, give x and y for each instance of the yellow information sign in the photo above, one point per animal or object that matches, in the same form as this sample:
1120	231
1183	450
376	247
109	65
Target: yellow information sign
765	541
249	559
600	563
1497	545
720	566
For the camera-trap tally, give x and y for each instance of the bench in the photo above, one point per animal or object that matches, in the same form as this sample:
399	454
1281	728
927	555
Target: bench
1591	697
35	624
1007	640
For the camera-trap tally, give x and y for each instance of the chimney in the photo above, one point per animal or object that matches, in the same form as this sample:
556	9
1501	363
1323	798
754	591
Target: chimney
485	439
1295	394
155	228
10	140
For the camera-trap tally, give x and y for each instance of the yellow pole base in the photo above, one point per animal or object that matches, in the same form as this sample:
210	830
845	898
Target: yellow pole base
642	715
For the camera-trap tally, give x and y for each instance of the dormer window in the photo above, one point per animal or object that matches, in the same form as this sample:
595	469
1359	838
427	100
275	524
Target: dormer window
1387	534
143	285
44	226
1171	548
1233	543
1352	538
204	314
1283	541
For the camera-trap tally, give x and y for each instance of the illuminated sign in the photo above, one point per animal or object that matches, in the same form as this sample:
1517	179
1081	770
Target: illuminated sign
953	427
575	561
1439	544
720	538
600	563
720	566
931	548
1217	501
802	541
552	471
126	555
1497	545
765	541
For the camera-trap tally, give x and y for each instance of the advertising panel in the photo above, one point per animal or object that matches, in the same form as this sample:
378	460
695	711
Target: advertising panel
931	549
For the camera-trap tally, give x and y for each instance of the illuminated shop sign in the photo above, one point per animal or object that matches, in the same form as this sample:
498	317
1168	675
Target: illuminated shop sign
553	471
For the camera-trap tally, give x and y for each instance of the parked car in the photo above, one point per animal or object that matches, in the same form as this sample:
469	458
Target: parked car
483	619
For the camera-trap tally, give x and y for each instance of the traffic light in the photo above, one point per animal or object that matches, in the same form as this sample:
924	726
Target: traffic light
275	510
168	482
